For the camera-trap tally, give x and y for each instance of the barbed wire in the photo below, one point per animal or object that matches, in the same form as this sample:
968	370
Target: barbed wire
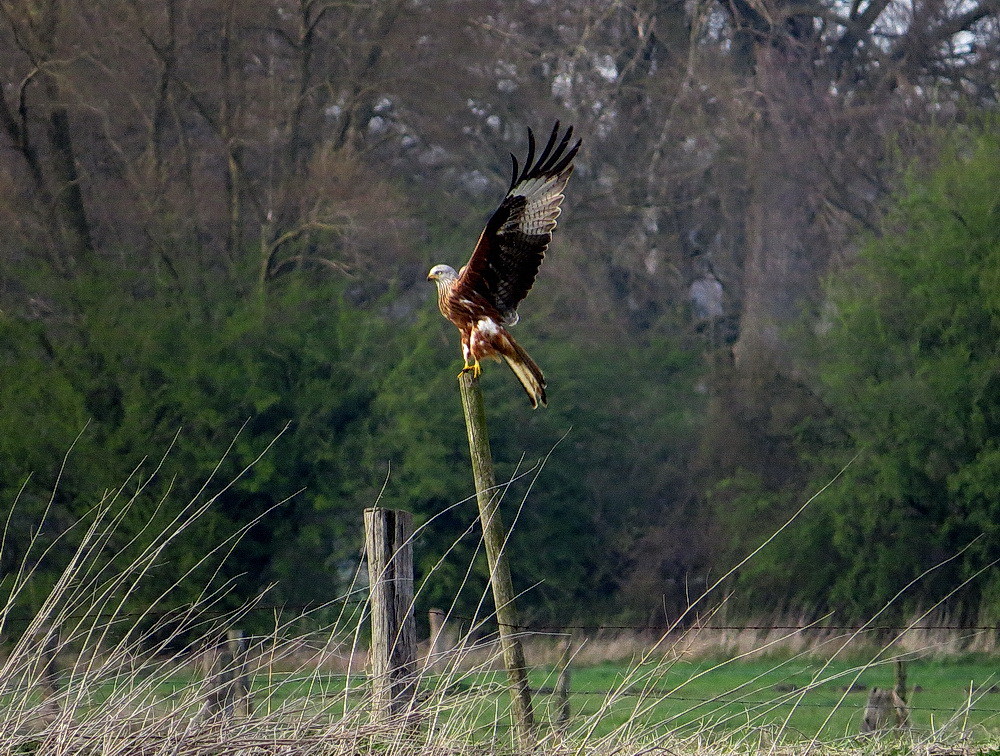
305	609
664	696
189	611
795	628
694	627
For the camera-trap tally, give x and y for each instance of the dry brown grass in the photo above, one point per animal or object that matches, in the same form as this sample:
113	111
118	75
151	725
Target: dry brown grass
779	637
81	677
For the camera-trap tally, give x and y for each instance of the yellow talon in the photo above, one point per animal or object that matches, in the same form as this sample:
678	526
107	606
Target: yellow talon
476	370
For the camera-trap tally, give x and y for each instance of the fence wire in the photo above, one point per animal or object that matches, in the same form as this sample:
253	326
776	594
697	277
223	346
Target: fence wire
530	627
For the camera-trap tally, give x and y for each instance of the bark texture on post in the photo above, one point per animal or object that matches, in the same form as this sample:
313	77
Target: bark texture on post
240	650
902	708
901	679
227	679
436	648
47	670
393	656
562	686
494	537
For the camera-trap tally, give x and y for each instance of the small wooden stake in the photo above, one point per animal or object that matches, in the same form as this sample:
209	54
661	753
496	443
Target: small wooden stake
228	681
901	680
562	686
240	650
436	647
902	709
48	670
393	658
494	536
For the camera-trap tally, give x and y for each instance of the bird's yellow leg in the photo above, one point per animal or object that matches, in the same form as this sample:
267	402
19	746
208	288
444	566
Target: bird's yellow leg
476	370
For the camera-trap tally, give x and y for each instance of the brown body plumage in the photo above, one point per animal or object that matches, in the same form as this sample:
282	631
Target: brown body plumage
482	299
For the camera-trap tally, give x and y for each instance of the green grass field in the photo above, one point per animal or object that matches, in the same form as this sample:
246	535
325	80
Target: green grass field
798	699
705	705
791	700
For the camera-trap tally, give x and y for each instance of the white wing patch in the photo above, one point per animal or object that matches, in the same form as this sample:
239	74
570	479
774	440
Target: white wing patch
543	195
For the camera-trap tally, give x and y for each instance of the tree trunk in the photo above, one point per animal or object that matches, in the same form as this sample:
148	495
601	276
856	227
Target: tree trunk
70	209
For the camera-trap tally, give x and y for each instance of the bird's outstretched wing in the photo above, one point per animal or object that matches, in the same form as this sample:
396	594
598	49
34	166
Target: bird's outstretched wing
510	250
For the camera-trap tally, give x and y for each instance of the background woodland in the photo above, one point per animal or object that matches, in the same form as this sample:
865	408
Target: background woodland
779	256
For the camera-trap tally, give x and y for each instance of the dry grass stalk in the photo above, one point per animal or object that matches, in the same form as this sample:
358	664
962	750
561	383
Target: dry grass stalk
132	689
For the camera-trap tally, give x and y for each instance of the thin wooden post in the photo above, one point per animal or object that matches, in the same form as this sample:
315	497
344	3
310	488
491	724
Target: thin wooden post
218	673
48	670
901	679
393	656
436	646
493	537
239	649
902	707
562	686
228	679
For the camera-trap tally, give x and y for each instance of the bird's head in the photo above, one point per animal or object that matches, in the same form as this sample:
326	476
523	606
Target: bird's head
442	274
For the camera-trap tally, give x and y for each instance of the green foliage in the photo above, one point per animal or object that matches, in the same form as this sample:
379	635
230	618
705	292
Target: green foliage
207	387
908	366
167	394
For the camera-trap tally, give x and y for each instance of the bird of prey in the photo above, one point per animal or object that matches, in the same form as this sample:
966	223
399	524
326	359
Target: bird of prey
482	298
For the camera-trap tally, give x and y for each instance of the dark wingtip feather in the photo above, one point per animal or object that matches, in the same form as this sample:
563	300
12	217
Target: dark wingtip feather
563	164
531	150
553	160
544	157
513	179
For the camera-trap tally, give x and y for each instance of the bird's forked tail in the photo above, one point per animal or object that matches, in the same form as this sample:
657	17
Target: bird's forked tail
527	372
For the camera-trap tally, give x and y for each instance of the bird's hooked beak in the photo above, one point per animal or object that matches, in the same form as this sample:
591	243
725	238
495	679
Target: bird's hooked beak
431	276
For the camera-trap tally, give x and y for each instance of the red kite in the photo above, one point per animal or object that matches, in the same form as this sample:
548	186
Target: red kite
482	298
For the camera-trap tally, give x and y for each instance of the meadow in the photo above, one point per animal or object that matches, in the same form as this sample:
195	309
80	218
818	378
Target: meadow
86	673
797	699
312	696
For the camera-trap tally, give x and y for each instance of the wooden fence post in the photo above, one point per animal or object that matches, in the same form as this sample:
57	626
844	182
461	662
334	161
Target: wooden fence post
900	685
436	646
48	670
239	648
228	680
393	656
494	536
562	686
902	708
